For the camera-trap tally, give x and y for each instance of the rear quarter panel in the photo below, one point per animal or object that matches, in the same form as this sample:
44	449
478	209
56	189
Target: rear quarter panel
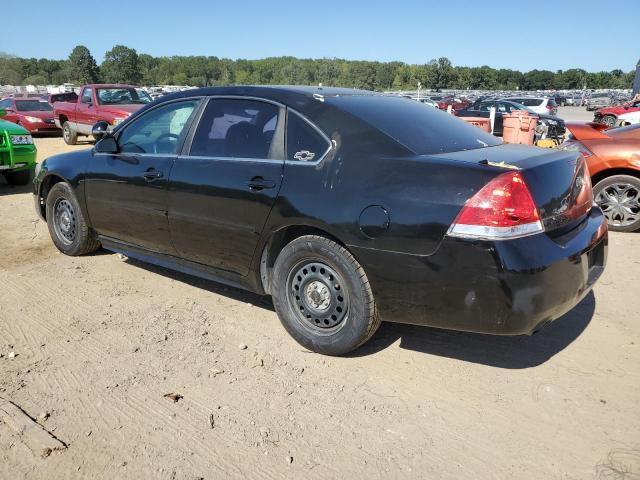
421	195
613	155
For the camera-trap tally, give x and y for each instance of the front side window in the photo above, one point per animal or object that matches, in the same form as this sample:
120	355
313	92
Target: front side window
159	131
87	96
304	143
504	107
486	106
236	128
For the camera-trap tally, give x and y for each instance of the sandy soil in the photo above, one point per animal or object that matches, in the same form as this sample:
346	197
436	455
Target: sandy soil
90	346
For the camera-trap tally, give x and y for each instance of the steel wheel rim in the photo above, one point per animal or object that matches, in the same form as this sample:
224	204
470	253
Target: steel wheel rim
64	221
65	132
620	203
318	295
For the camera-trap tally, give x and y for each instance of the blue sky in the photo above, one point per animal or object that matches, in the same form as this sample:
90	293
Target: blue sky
518	34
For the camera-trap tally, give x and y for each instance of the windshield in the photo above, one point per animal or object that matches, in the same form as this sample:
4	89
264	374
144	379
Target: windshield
122	96
421	130
33	106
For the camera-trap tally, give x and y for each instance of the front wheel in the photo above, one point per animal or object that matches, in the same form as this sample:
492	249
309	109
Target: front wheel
609	120
619	198
19	178
69	135
67	226
323	297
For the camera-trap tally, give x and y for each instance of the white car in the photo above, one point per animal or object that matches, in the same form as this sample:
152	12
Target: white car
427	101
542	105
630	118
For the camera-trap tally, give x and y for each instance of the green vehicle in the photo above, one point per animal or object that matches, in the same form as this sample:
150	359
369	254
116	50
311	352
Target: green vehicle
17	153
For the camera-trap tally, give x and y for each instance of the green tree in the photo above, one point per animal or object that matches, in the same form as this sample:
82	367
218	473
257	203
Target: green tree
442	73
122	65
82	66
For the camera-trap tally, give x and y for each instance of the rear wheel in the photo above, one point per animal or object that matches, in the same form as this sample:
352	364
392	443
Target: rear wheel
69	135
67	226
18	178
619	198
609	120
323	297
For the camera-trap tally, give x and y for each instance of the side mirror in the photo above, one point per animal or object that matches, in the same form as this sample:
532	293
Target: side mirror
3	112
100	130
107	144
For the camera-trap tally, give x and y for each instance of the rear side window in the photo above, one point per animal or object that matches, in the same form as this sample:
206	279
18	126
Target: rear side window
304	142
236	128
531	102
421	130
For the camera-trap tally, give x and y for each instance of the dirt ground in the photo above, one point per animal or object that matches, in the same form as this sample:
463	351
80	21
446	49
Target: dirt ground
90	346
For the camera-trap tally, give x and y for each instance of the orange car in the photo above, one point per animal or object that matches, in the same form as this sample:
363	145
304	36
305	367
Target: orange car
613	157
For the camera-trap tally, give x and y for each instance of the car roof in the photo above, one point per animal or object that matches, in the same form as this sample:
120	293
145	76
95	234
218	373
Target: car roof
32	99
304	99
277	90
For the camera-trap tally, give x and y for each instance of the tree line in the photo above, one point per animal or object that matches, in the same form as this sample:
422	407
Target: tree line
122	64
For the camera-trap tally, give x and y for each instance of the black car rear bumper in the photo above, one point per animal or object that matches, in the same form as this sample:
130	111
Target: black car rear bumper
503	287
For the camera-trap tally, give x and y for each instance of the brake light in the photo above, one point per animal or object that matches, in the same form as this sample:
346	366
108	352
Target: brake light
502	209
550	108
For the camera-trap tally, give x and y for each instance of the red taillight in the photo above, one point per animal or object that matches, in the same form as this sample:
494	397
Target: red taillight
502	209
550	108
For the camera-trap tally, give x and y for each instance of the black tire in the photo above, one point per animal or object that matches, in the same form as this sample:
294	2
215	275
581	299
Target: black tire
347	320
619	198
609	120
69	135
19	178
67	226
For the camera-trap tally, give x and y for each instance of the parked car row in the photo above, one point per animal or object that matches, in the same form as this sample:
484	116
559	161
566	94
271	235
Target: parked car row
610	115
554	126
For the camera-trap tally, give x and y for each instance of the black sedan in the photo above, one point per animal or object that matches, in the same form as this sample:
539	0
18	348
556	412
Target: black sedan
555	126
347	207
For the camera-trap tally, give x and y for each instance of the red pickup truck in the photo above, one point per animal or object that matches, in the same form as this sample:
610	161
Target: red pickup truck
97	102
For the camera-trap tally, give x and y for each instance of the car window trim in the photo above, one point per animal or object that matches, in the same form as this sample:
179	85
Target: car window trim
279	132
330	143
118	133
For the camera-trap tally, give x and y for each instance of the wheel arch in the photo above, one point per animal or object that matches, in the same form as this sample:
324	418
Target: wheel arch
610	172
46	185
278	239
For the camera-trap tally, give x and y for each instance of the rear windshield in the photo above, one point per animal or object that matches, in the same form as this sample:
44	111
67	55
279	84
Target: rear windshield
65	97
122	96
33	106
552	102
530	102
420	128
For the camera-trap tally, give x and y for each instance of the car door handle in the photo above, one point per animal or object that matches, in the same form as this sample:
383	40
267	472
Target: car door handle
152	174
259	183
